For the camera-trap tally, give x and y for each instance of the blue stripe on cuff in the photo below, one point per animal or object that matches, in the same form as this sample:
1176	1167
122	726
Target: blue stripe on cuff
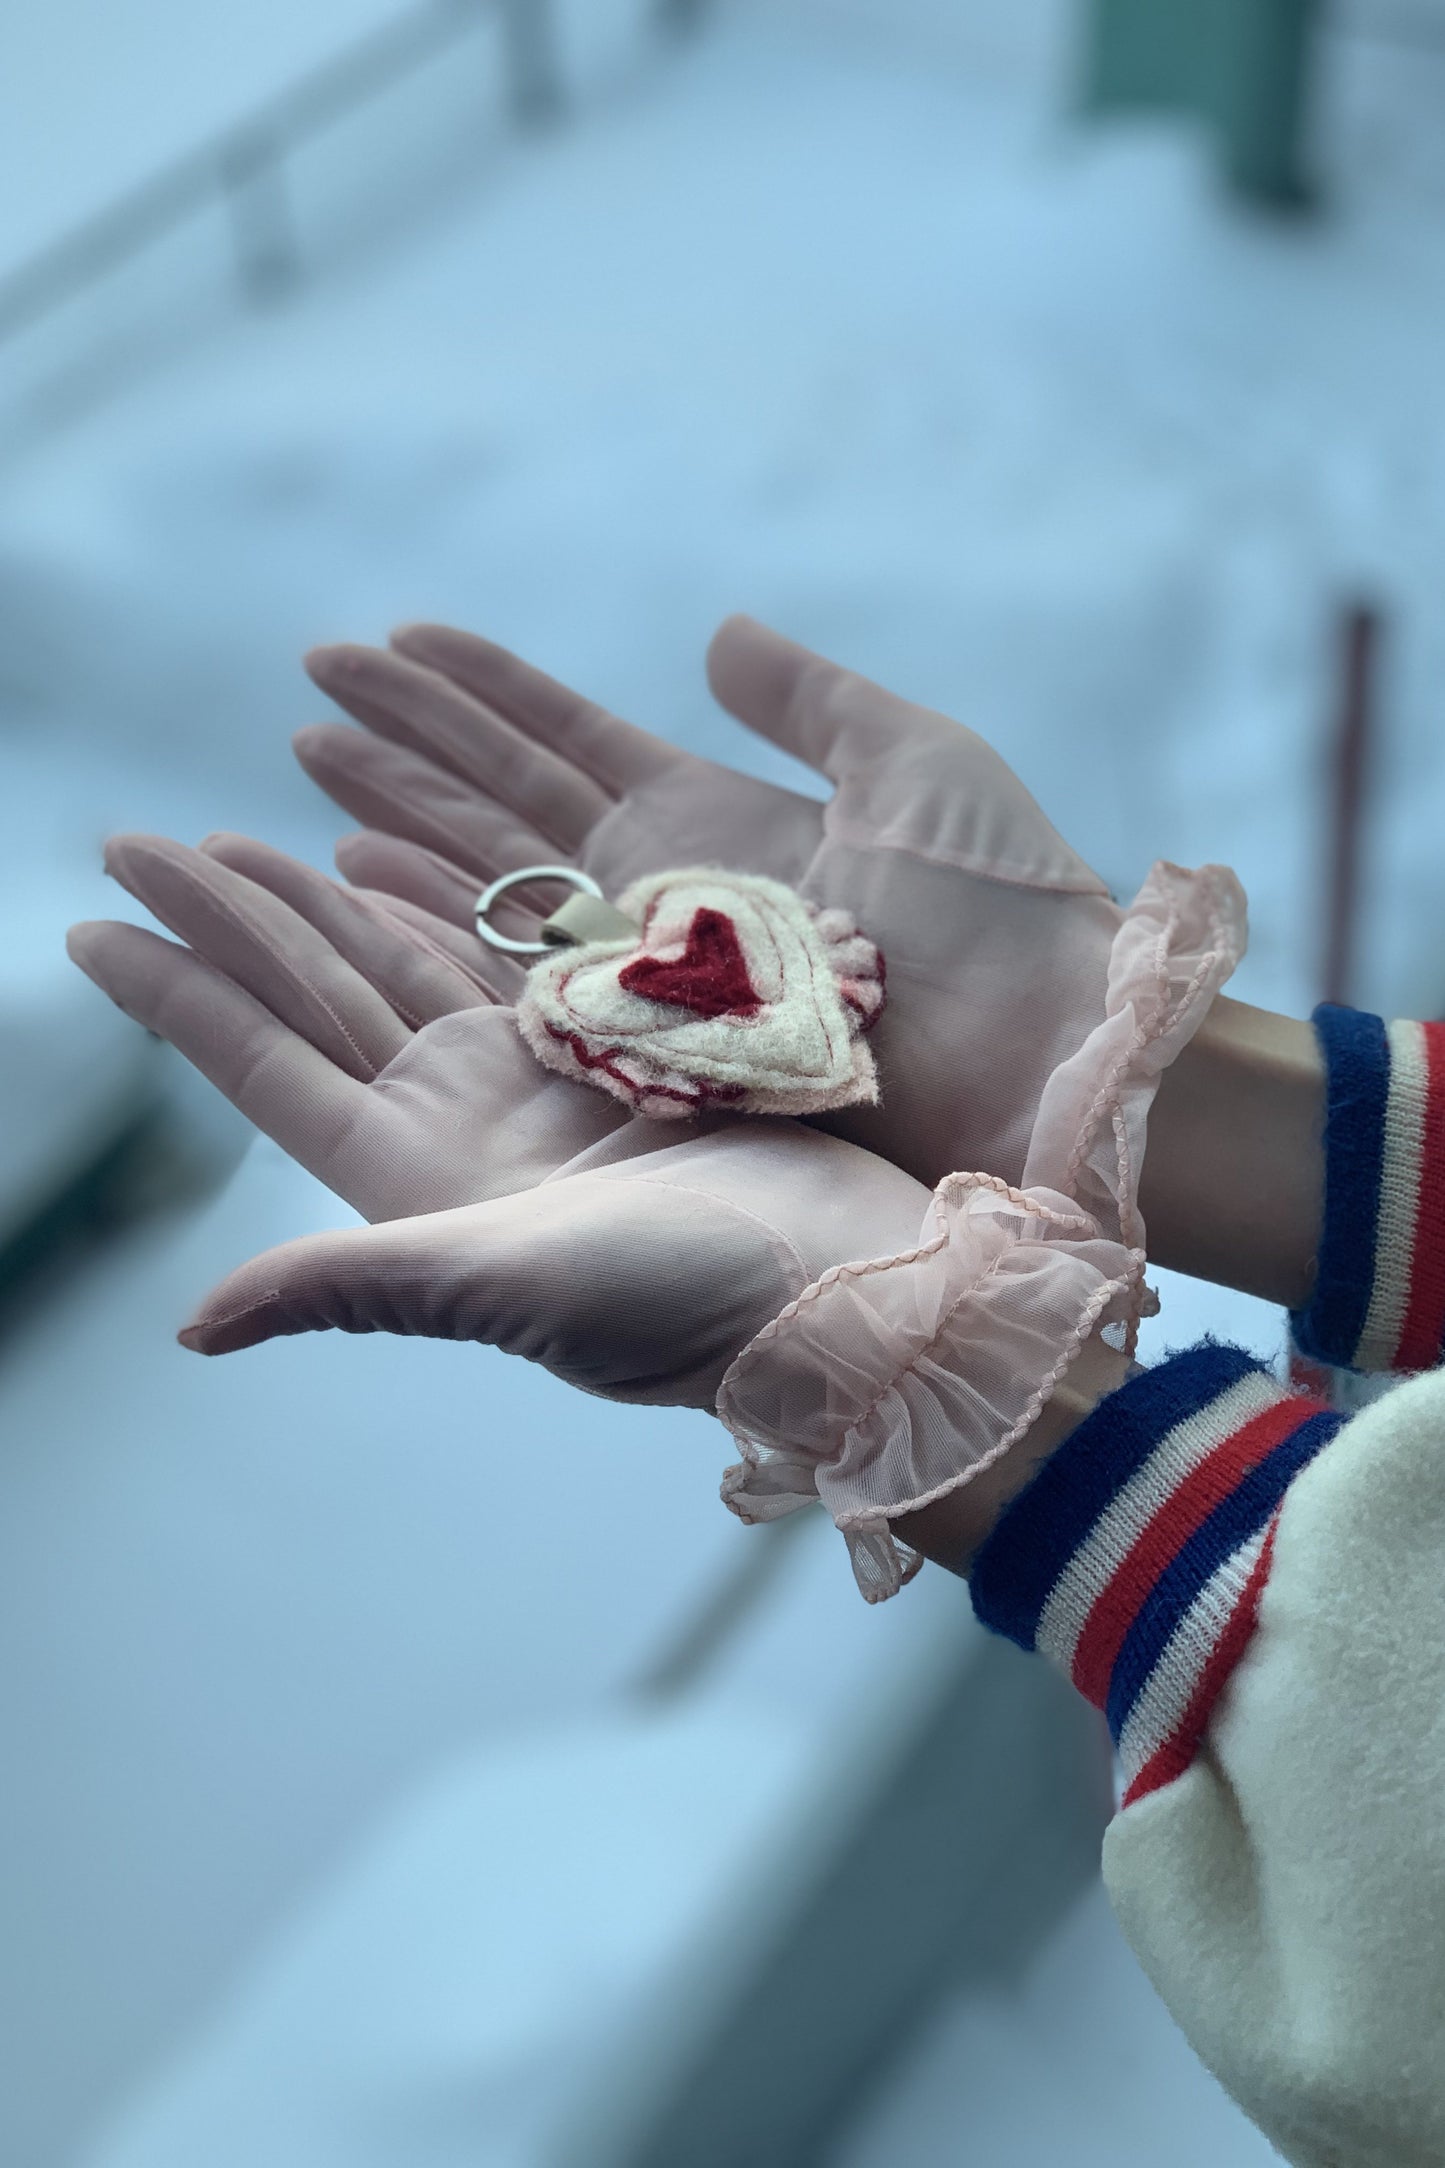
1234	1520
1038	1533
1357	1067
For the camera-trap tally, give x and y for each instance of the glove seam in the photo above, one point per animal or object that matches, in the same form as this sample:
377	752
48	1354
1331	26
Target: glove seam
292	971
858	836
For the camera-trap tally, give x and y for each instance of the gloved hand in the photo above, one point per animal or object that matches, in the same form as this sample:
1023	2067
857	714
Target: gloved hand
996	935
514	1206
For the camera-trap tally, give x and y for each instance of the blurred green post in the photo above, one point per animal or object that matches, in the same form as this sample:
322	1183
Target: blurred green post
1240	66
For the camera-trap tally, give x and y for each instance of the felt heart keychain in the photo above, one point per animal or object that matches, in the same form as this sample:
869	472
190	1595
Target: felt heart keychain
700	989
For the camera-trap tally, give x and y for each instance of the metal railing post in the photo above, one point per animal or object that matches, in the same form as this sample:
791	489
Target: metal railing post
247	167
263	232
534	75
678	17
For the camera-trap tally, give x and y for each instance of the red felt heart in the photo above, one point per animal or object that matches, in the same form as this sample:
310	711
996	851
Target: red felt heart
710	977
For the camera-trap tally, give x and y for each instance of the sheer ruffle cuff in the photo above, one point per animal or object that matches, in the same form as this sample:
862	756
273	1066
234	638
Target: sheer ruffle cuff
890	1382
887	1384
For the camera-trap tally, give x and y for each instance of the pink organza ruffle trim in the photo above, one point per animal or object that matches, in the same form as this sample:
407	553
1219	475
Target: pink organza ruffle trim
890	1382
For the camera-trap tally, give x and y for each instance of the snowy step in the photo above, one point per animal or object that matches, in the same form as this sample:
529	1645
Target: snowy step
430	2006
676	1935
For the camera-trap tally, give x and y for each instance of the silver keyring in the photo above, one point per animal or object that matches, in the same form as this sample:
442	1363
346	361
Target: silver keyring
572	875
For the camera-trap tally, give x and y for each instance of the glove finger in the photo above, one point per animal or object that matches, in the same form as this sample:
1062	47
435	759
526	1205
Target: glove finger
265	946
423	878
519	913
948	793
617	755
420	981
276	1078
495	974
425	712
812	708
401	793
435	885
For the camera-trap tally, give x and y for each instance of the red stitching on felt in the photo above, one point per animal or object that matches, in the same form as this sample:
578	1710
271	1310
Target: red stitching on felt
705	1095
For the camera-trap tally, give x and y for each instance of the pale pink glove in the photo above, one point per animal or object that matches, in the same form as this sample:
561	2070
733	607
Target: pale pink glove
889	1383
515	1207
995	934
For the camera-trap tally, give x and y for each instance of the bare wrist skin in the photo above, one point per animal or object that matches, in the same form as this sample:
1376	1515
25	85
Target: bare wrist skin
1233	1180
950	1531
1232	1191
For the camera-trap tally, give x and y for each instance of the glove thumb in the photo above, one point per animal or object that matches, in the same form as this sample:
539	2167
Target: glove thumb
638	1289
400	1276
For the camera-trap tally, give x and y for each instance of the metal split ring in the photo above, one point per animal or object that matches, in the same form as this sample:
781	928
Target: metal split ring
491	896
585	917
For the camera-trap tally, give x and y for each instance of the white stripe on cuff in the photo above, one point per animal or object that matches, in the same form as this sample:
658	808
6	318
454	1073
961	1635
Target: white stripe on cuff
1116	1531
1169	1688
1404	1142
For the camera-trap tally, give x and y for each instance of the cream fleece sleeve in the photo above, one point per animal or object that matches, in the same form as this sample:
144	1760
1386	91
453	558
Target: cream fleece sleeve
1286	1892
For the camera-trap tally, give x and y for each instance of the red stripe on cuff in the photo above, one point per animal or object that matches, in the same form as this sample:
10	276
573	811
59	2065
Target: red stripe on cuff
1179	1749
1424	1326
1185	1509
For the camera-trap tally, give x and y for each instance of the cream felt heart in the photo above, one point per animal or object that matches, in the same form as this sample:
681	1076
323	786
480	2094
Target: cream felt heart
738	994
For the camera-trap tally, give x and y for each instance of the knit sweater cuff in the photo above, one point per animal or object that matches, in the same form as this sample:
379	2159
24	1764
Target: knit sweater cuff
1379	1299
1136	1558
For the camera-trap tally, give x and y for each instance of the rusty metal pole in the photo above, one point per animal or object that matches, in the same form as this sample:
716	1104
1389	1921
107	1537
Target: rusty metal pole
1351	750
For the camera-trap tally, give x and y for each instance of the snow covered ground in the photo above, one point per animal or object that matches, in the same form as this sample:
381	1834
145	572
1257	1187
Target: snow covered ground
831	316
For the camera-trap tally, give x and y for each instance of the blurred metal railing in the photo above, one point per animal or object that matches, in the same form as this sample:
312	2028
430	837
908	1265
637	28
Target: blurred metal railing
243	167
